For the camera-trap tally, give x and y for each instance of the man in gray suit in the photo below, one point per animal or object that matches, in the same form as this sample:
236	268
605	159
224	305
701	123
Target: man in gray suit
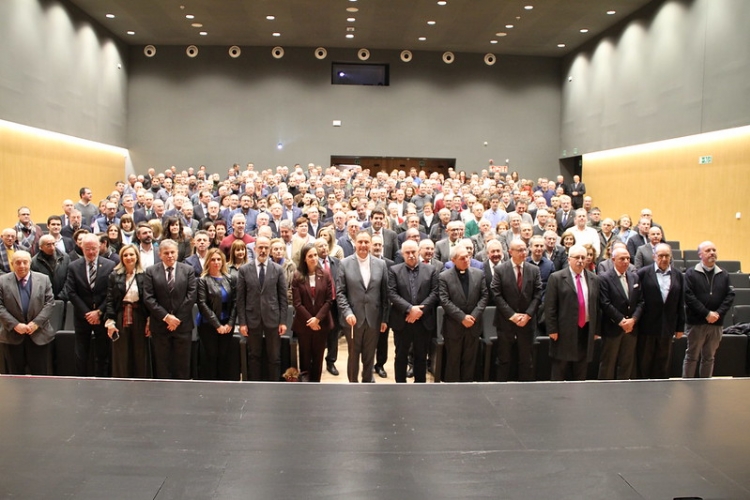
170	290
570	309
362	297
463	295
26	303
262	310
517	290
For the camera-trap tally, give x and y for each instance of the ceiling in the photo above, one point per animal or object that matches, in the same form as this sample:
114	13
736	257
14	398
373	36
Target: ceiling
459	26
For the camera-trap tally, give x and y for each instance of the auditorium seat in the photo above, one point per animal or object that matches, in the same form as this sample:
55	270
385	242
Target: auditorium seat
731	357
438	347
741	314
690	263
69	317
486	359
739	280
542	362
690	254
730	266
675	245
742	297
58	315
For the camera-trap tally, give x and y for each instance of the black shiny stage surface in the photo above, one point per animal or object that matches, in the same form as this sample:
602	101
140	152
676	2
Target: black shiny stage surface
112	439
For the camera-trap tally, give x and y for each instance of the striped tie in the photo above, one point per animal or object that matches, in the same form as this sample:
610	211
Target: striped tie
92	273
170	279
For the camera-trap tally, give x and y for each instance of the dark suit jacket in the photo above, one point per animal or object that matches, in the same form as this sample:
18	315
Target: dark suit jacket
399	293
659	317
195	263
390	242
41	303
346	245
209	300
369	304
644	256
116	290
160	302
83	297
309	303
561	314
261	306
635	241
510	301
615	305
571	222
58	276
457	305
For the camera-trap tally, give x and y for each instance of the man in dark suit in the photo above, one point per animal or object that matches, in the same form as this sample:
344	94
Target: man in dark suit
52	263
494	251
86	288
413	292
517	291
26	303
331	266
262	310
463	295
381	353
663	314
570	310
639	238
362	296
170	291
566	217
377	228
74	224
427	255
577	190
347	242
621	304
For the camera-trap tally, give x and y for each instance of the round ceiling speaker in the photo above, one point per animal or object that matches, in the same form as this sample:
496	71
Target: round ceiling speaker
277	52
191	51
363	54
149	51
448	57
320	53
490	59
406	55
234	52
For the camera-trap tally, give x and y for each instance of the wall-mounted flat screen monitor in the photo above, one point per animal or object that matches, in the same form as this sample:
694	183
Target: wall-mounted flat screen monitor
359	74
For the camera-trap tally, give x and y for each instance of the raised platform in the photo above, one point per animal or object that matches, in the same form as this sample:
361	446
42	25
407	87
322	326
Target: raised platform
97	439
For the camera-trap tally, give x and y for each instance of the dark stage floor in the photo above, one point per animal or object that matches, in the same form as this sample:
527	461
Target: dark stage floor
111	439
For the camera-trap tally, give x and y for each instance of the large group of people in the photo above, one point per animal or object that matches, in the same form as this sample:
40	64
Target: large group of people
356	254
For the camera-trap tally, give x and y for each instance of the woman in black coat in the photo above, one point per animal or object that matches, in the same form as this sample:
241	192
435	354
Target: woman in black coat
127	318
312	295
217	306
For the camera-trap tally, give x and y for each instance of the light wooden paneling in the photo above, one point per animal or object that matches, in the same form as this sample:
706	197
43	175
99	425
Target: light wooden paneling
692	202
40	171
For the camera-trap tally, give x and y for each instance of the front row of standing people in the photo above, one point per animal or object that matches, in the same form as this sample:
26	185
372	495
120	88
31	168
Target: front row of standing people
636	313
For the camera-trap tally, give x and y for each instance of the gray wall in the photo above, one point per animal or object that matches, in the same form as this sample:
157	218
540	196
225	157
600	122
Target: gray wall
59	71
675	68
215	110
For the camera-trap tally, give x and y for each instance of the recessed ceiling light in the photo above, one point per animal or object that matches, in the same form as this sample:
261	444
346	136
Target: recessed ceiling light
493	41
277	34
349	35
131	32
189	16
203	33
270	18
197	25
501	34
509	26
351	19
584	30
422	38
561	45
110	16
352	9
611	12
352	0
529	7
442	2
350	28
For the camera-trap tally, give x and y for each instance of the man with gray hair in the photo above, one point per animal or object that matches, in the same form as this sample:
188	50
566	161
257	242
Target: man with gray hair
53	263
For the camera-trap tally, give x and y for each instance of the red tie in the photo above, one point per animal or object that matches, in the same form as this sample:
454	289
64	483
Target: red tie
519	278
581	303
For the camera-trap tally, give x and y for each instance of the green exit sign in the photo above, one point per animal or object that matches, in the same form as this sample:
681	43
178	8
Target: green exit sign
705	160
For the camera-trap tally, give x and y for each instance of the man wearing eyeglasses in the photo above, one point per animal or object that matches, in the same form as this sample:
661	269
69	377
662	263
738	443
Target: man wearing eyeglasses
570	308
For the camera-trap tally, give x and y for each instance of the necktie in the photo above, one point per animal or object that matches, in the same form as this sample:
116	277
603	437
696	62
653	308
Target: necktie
170	279
519	278
564	218
262	274
333	282
624	282
92	273
581	303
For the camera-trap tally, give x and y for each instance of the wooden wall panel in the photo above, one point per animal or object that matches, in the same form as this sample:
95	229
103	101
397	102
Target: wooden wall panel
41	170
692	202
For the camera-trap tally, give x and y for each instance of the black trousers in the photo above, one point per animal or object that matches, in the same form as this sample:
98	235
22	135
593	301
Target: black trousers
215	351
255	340
461	357
524	338
130	357
381	356
102	349
27	353
652	353
171	351
416	337
579	366
312	346
332	352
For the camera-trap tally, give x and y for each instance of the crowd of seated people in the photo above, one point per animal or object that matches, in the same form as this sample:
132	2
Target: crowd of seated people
244	245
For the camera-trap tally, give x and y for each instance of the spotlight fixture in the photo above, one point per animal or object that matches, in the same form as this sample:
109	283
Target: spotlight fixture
149	51
321	53
191	51
406	55
277	52
363	54
448	57
234	52
490	59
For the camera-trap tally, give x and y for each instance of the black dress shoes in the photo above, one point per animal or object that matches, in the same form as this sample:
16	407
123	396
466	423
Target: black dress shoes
332	369
380	371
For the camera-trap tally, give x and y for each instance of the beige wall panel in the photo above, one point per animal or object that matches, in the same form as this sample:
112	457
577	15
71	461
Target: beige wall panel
692	202
41	171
